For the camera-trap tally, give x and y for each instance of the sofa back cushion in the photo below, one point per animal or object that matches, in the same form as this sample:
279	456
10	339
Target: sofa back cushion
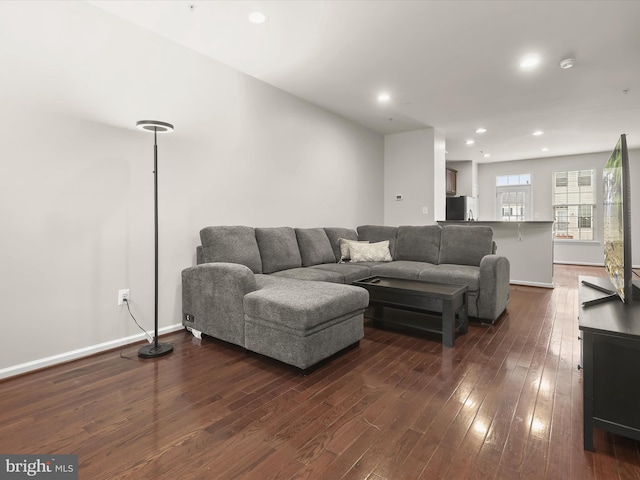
378	233
314	246
418	243
465	245
335	234
232	244
278	249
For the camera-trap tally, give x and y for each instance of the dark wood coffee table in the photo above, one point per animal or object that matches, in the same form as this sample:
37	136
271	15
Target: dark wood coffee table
423	297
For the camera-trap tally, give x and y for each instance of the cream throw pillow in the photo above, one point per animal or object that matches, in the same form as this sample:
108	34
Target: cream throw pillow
345	255
372	252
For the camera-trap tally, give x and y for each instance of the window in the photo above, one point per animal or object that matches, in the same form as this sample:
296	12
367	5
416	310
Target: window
574	198
561	179
513	197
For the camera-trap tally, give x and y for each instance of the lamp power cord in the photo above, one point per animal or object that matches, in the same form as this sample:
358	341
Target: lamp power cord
147	334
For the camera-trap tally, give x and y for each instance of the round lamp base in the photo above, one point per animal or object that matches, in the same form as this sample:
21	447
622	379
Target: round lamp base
152	350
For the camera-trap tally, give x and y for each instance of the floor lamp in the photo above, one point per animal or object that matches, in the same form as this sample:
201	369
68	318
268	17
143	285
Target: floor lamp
155	349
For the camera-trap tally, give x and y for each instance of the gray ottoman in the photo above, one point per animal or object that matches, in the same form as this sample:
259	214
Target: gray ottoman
301	323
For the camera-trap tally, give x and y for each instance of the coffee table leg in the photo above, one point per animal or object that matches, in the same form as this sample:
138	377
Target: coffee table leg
448	323
463	313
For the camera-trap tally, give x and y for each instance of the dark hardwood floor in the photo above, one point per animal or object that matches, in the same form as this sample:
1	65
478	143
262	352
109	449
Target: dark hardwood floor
505	402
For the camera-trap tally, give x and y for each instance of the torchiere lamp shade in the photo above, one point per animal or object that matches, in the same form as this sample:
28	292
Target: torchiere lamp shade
154	126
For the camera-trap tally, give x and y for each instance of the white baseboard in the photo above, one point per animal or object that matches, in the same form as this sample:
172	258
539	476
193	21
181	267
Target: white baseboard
586	264
81	352
531	284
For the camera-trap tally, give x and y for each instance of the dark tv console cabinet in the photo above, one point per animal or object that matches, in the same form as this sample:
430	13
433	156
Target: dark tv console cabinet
610	334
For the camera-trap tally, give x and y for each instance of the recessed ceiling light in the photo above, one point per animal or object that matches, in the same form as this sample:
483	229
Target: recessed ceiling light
545	149
384	97
537	133
568	63
470	142
486	155
529	61
257	17
481	130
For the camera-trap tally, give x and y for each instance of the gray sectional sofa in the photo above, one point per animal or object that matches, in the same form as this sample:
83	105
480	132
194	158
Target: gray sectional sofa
285	292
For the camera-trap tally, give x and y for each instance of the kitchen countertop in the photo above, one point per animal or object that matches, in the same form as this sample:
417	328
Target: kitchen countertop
489	222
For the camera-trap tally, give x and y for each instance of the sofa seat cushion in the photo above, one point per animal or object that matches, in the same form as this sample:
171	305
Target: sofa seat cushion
465	245
418	243
349	271
314	246
278	248
368	264
400	269
457	274
309	273
231	244
304	307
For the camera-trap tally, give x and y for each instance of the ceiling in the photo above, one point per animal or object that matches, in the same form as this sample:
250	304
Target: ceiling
451	65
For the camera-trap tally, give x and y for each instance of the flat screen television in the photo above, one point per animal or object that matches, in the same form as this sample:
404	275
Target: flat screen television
617	225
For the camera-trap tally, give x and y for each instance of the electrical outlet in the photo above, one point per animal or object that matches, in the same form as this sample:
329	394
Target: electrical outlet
123	295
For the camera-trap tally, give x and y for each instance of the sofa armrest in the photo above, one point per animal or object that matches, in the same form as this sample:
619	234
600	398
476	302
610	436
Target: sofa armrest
494	286
212	296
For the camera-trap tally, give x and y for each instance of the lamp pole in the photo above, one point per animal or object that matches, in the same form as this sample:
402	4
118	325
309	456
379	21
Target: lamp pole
156	349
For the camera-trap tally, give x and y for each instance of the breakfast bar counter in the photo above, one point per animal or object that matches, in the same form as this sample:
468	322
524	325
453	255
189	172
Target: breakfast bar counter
528	245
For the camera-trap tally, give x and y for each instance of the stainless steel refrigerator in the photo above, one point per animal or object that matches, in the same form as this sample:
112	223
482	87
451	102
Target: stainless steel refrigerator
457	208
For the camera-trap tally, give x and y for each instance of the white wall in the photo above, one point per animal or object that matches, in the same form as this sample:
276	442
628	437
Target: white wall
541	170
414	167
76	190
440	176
